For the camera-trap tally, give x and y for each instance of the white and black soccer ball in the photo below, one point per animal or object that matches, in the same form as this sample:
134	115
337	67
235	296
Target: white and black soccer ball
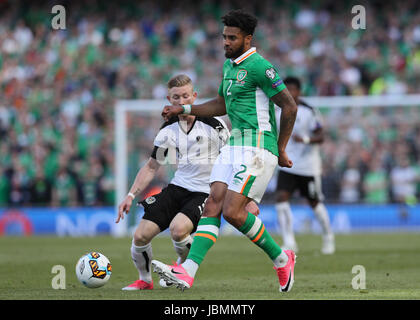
93	270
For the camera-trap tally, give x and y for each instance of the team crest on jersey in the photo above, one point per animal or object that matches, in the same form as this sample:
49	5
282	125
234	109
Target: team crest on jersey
270	73
241	75
150	200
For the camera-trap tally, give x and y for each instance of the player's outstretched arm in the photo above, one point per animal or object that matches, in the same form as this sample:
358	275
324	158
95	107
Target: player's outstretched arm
211	108
287	120
317	137
143	178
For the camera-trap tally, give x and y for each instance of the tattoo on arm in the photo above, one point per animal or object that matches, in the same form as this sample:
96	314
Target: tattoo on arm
288	116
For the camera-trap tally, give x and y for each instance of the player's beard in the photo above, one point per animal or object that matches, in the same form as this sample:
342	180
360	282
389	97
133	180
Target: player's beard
236	53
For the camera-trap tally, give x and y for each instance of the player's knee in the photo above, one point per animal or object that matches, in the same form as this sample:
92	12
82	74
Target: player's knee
216	198
282	196
213	206
313	203
141	239
178	232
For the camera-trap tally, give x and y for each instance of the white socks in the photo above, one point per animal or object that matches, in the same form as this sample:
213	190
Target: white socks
182	248
142	258
321	214
191	267
284	214
281	260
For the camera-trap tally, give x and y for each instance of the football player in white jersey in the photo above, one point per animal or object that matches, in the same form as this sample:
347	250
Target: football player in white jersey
195	142
305	175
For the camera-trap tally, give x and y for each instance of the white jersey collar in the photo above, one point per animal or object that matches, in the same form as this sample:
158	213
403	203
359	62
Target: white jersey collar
245	55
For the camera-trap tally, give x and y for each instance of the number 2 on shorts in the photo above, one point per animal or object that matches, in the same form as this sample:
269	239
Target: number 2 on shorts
236	176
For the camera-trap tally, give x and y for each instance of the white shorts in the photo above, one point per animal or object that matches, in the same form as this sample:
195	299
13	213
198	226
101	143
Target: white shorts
246	170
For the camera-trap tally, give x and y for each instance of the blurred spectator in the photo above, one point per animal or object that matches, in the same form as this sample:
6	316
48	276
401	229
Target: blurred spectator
404	180
19	193
40	190
375	183
330	182
350	183
91	188
4	188
64	190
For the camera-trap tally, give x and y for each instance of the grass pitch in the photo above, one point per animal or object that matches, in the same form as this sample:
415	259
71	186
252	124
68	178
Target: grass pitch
234	269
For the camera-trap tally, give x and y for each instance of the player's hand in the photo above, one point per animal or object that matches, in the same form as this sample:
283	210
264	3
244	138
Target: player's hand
302	139
252	207
284	160
124	207
170	111
297	138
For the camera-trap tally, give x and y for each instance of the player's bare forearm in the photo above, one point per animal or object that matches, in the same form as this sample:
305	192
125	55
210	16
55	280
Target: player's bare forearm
212	108
317	137
144	176
288	116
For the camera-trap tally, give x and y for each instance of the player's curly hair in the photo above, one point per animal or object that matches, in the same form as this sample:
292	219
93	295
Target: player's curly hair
240	19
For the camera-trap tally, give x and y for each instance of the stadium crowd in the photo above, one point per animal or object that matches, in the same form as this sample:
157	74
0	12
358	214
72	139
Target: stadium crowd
58	89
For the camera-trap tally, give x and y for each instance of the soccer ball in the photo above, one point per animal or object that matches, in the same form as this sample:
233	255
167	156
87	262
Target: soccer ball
93	270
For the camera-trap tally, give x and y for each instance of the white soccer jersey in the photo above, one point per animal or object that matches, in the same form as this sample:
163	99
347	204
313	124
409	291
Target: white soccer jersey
194	151
306	157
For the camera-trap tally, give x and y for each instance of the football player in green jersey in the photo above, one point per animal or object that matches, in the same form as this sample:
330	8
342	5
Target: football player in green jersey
247	94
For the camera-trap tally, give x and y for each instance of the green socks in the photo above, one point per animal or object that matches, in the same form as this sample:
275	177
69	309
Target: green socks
254	229
208	231
205	237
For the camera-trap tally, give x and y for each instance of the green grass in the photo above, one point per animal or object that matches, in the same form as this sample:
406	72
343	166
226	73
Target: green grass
233	269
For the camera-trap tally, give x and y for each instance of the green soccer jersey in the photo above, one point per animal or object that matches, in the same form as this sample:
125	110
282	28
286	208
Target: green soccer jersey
247	86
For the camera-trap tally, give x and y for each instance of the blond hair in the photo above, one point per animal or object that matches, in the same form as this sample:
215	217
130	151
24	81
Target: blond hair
179	81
